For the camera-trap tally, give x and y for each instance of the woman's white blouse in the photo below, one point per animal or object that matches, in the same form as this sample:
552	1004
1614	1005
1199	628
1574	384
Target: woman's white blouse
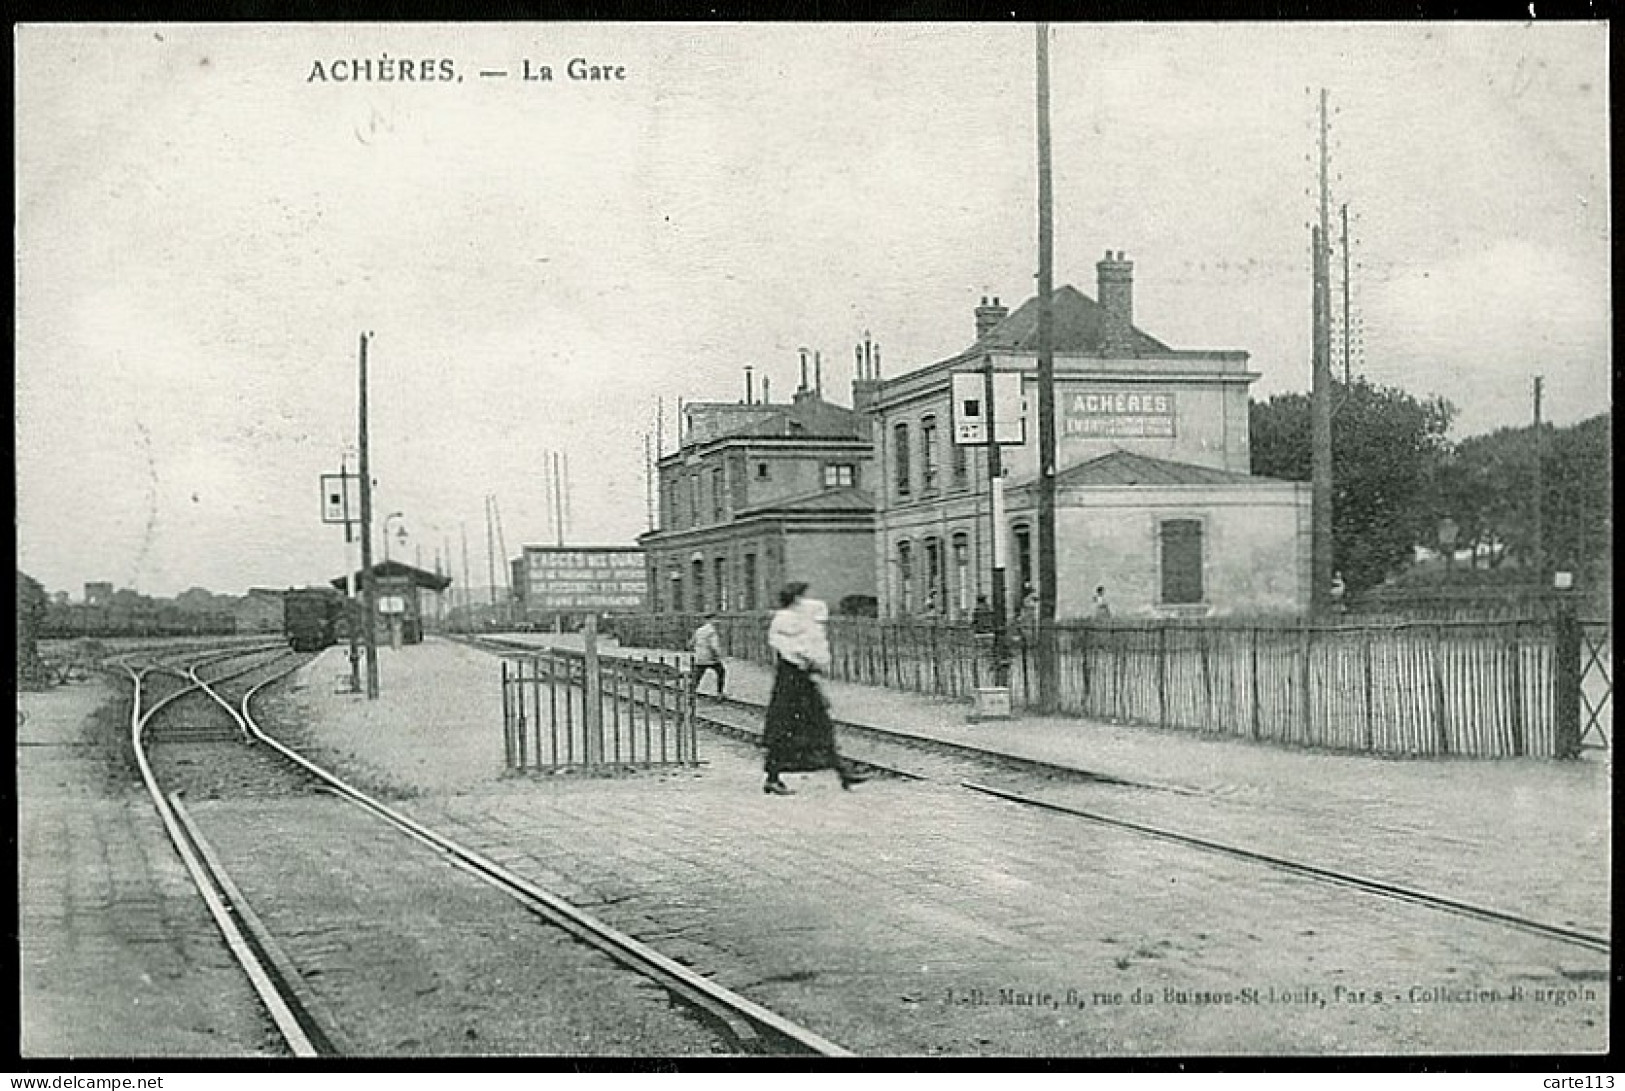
799	635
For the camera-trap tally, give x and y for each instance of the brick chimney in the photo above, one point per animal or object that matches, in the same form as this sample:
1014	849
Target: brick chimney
866	381
1116	295
989	315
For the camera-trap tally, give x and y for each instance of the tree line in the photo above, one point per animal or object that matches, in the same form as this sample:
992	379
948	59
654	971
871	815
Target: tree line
1400	482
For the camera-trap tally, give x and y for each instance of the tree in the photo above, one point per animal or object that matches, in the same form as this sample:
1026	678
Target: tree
1386	445
1487	488
31	606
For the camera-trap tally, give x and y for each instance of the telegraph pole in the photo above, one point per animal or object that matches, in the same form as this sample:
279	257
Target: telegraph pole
1320	573
995	482
352	621
1540	489
1046	393
1347	331
369	586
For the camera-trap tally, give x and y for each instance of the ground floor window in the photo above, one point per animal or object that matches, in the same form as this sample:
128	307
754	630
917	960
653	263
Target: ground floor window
932	603
699	587
962	575
905	578
1181	541
722	584
1024	561
749	581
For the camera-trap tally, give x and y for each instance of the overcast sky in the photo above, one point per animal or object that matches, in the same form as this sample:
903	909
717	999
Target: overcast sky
204	227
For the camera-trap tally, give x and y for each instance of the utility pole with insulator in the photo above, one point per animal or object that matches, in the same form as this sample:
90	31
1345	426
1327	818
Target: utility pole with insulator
1320	574
1540	491
369	585
1047	673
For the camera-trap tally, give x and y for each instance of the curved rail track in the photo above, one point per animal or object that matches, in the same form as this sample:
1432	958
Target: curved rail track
1307	871
746	1026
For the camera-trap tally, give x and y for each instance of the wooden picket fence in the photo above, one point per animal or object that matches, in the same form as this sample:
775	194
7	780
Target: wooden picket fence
1461	688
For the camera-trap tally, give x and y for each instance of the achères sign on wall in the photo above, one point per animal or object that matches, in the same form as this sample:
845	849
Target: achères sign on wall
1116	413
585	579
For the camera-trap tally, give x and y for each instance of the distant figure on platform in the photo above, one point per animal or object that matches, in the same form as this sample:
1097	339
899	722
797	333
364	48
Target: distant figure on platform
707	646
799	735
1103	609
981	616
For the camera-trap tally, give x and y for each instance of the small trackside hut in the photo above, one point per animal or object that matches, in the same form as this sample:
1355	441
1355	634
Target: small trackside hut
400	590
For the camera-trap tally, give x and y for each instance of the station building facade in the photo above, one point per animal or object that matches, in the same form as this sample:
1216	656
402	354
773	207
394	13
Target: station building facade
1155	501
759	493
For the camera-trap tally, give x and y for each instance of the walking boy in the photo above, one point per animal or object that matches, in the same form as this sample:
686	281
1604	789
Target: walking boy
707	647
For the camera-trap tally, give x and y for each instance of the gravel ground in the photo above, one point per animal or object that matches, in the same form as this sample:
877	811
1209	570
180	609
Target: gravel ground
916	919
119	957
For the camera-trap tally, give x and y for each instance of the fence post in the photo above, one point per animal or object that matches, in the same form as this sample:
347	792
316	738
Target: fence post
1369	733
1308	718
1438	690
1162	674
592	712
1515	691
1258	698
1566	688
507	719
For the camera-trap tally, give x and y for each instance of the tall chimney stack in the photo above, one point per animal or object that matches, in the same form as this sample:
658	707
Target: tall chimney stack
803	386
766	397
988	316
750	386
1116	280
818	372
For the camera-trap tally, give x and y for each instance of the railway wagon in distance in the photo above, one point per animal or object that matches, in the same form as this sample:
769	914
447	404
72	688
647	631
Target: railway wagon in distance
312	617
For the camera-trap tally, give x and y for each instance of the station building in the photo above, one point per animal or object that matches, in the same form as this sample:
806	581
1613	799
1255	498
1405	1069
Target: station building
1155	501
759	493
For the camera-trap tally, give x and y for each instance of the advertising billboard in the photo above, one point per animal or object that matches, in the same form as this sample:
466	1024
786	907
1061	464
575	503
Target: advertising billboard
605	579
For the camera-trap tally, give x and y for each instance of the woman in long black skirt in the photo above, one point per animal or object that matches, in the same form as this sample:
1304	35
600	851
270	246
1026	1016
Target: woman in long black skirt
799	736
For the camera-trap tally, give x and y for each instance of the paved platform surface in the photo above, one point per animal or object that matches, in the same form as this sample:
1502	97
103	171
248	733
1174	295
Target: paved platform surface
910	918
1525	835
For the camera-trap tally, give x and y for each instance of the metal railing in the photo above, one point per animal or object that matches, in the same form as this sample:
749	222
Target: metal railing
564	709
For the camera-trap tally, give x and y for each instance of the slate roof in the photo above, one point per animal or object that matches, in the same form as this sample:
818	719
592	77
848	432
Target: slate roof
1127	468
824	500
1077	327
419	577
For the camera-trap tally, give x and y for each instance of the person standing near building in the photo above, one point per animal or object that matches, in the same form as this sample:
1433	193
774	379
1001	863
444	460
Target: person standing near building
1103	609
707	647
799	735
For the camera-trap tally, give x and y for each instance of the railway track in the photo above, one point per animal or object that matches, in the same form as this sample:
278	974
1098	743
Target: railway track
744	713
306	1027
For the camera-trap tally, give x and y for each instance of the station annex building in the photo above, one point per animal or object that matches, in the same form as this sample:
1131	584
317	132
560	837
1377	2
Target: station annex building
1154	498
758	494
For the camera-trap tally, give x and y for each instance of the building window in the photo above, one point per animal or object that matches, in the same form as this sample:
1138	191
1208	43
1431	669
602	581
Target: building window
736	482
749	580
693	500
676	593
931	598
960	460
905	578
1024	562
719	499
699	587
900	459
1181	561
722	583
962	580
761	471
928	454
840	475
